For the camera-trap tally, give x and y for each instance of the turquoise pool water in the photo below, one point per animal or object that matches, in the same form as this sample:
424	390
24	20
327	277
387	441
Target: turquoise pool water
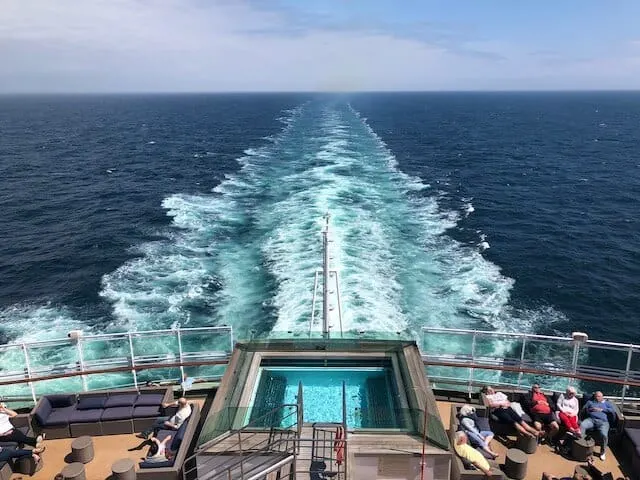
370	394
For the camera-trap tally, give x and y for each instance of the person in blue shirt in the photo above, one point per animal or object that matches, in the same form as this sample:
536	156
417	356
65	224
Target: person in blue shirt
596	410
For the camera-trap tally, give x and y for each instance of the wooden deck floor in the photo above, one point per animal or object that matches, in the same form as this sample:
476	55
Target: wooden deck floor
545	459
107	449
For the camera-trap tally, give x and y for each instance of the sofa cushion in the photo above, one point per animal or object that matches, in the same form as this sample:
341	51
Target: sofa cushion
483	423
43	411
149	399
85	416
144	412
59	416
634	436
164	433
176	441
61	401
89	403
117	413
121	400
165	463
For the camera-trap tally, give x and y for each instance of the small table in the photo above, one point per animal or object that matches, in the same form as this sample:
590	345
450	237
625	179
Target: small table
515	465
123	469
527	444
582	449
82	449
27	465
74	471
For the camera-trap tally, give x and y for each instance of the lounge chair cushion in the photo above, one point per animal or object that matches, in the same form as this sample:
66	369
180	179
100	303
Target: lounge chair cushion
149	399
166	463
634	436
177	438
121	400
117	413
85	416
59	416
147	411
90	403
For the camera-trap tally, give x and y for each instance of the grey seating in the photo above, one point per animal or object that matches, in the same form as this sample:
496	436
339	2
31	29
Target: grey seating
22	423
460	471
180	445
99	413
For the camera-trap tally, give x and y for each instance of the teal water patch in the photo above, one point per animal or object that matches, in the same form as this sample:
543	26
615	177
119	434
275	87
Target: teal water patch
369	393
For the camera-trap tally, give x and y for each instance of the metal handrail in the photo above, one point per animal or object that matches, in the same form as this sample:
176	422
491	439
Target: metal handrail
575	365
124	359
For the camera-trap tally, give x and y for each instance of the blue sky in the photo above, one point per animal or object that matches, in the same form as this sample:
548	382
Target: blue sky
287	45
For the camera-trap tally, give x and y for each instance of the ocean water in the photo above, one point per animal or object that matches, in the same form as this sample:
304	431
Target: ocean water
494	211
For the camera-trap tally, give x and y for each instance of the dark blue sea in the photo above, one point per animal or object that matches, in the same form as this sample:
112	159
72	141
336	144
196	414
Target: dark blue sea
507	211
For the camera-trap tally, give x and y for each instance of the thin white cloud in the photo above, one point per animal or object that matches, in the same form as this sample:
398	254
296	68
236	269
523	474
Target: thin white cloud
180	45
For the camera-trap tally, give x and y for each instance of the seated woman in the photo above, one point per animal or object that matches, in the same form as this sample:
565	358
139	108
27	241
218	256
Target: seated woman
501	408
8	433
568	409
158	451
469	425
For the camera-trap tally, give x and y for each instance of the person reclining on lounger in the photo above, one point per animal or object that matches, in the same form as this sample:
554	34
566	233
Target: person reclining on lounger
470	454
501	408
8	433
541	409
169	423
157	449
8	453
469	425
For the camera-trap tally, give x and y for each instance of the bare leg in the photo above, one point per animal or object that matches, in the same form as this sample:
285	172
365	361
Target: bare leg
523	430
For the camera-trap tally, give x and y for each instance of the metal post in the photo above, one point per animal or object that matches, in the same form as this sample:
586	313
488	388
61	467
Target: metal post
81	362
626	374
231	339
133	362
473	359
339	301
522	353
313	303
574	360
178	336
325	276
300	411
28	365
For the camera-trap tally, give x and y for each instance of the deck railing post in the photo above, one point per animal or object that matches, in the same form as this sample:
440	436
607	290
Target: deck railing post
231	339
85	387
626	374
522	354
473	360
28	366
133	361
179	337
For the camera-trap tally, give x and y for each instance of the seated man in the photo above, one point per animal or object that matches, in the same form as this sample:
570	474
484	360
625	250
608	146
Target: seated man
501	407
541	410
477	437
470	454
169	423
596	418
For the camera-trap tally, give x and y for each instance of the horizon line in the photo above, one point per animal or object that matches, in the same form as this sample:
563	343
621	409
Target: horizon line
308	92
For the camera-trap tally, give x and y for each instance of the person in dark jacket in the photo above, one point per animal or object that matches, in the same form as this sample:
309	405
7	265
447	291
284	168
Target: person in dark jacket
541	408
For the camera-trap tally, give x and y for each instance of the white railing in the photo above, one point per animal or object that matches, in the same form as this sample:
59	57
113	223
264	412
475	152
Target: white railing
473	357
110	360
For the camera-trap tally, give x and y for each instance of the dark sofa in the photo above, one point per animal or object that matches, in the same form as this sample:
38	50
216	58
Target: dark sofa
99	413
630	445
505	429
460	471
22	423
180	442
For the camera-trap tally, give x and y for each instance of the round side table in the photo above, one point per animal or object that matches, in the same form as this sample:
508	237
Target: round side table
82	449
74	471
123	469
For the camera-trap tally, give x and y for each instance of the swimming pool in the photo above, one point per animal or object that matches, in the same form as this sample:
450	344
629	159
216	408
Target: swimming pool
370	394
